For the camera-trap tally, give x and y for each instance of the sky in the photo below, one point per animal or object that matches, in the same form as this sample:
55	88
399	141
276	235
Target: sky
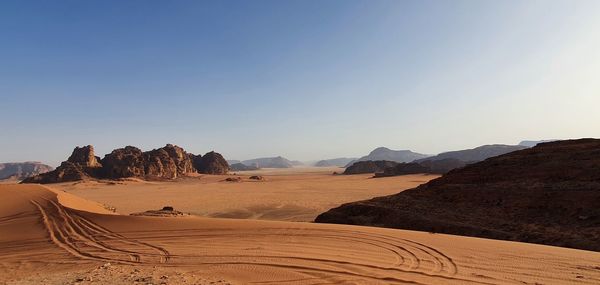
307	79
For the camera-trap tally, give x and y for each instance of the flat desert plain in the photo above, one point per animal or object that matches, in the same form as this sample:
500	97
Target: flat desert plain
291	194
49	236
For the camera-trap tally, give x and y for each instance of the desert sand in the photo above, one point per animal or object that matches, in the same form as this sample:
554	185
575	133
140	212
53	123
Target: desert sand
292	194
52	237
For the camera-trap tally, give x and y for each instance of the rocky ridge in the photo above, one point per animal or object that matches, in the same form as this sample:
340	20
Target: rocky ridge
548	194
168	162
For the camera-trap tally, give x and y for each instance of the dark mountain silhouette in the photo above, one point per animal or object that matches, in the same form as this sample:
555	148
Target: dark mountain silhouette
547	194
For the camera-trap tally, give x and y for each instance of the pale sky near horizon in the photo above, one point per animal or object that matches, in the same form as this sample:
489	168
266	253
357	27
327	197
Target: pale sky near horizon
307	80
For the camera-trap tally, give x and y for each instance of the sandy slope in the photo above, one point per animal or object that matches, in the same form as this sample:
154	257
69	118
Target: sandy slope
44	242
296	194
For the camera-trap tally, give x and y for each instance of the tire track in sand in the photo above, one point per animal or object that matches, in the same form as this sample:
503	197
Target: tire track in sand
84	239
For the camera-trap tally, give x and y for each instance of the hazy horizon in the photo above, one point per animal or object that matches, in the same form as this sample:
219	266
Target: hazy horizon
306	80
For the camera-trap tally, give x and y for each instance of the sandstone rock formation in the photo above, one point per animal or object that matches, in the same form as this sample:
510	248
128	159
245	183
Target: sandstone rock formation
211	163
124	162
547	194
81	165
22	170
67	171
361	167
85	157
168	162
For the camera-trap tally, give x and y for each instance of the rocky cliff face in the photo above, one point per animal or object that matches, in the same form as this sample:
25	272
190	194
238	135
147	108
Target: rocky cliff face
168	162
211	163
124	162
22	170
547	194
85	157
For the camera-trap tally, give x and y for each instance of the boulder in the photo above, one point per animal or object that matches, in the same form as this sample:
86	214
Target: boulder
233	179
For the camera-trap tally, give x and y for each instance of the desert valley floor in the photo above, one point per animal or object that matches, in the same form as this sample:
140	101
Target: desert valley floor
63	234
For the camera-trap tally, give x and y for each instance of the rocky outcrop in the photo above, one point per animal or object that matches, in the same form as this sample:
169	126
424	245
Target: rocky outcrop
67	171
81	165
22	170
211	163
168	162
362	167
242	167
124	162
547	194
85	157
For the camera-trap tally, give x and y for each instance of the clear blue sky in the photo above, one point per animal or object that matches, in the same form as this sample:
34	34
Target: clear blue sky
302	79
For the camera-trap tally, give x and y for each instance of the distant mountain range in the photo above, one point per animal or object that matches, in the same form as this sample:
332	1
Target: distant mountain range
270	162
476	154
341	162
384	153
22	170
438	164
242	167
546	194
